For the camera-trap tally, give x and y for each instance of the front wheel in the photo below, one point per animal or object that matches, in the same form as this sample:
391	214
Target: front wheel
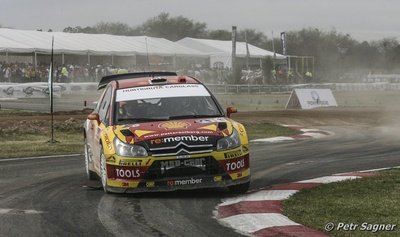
239	188
89	173
103	171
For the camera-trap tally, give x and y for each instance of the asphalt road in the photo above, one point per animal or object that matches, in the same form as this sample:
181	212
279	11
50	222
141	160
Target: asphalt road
51	196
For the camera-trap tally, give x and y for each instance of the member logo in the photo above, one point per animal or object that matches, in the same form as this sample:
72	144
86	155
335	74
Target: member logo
190	138
184	182
174	125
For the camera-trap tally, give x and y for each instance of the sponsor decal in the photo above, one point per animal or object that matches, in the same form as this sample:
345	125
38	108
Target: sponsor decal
184	182
150	184
124	172
164	91
140	133
170	164
173	133
316	99
130	162
233	154
127	173
9	90
28	91
179	138
236	164
217	178
174	125
211	127
211	120
107	141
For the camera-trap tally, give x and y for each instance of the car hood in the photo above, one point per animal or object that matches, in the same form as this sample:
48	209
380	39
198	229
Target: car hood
174	130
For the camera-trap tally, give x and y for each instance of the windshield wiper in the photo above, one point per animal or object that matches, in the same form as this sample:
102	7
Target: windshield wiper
194	116
144	119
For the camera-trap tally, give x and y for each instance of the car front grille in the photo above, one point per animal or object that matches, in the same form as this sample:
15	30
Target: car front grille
184	167
181	149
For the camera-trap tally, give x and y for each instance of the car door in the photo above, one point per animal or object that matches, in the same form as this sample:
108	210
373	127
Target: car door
95	129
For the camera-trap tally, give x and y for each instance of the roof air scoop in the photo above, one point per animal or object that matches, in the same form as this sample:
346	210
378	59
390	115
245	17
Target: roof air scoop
158	80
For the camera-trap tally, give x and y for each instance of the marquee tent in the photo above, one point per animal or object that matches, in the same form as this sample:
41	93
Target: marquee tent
221	51
28	41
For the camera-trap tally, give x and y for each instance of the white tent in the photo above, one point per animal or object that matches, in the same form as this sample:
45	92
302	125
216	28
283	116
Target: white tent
221	51
28	41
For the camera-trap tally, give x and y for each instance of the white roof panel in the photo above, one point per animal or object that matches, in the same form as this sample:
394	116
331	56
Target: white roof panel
80	43
221	47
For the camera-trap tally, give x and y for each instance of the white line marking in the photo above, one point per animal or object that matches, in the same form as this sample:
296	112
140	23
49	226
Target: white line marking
260	196
253	222
37	157
18	211
314	134
328	179
274	139
374	170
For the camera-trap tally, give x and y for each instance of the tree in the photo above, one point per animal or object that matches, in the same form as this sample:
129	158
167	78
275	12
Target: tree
79	29
113	28
219	35
253	36
172	28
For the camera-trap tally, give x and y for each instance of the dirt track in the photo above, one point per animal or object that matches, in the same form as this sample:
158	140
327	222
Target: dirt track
318	117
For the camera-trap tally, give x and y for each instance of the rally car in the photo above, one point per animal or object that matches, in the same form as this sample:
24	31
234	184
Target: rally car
157	131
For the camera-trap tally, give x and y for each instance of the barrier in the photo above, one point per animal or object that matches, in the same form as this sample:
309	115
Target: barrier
40	89
28	90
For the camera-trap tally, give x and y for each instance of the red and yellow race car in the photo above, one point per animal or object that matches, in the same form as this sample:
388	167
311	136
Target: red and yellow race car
157	131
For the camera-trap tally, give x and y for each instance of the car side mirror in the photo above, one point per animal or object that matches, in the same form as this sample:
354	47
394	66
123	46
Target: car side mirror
230	110
94	116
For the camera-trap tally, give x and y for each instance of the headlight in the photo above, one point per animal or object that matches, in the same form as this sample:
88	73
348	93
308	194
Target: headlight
123	149
229	142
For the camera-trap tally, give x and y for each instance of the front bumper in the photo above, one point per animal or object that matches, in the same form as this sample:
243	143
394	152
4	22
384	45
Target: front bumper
207	170
173	184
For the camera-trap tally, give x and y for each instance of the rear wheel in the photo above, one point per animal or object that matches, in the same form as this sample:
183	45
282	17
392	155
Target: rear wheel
103	171
89	173
239	188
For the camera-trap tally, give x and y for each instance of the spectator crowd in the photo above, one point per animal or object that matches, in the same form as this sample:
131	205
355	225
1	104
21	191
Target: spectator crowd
26	72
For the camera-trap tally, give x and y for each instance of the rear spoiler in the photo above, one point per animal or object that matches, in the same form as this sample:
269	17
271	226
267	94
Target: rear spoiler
117	77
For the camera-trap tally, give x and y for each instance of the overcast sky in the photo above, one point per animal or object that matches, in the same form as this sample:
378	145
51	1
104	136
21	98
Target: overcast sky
362	19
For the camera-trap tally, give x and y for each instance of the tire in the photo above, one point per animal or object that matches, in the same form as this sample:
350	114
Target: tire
239	188
91	175
103	171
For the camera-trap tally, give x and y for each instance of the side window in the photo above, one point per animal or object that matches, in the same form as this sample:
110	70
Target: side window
104	105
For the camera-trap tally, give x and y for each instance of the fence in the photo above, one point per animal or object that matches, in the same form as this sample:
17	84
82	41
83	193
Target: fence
39	90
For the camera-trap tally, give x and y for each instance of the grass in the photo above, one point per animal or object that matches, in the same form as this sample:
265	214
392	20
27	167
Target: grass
27	145
265	130
373	200
22	136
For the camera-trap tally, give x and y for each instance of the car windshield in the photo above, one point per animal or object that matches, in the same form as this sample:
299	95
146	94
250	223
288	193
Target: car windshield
166	107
